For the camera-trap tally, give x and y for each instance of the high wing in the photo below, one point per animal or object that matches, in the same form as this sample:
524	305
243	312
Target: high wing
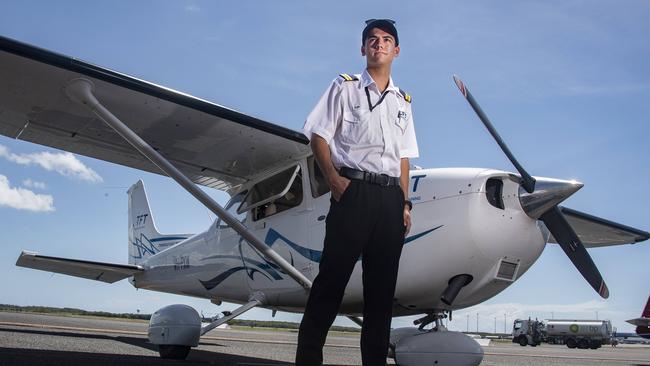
597	232
98	271
640	322
213	145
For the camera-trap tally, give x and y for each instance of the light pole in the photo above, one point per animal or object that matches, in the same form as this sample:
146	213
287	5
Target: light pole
495	325
476	322
467	322
505	324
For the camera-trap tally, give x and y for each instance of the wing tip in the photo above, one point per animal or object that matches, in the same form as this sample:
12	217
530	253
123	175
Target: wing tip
24	256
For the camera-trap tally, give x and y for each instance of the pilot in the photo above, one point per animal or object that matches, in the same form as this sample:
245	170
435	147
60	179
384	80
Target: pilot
362	136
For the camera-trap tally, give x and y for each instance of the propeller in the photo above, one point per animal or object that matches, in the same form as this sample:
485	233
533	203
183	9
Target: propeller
549	213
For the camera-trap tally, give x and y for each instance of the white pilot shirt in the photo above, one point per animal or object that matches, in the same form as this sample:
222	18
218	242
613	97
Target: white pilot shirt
360	138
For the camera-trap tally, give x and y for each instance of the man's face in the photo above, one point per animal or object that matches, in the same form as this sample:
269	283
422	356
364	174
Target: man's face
379	48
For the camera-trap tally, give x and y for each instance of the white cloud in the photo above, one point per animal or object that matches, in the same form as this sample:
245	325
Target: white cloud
34	184
586	89
24	199
192	8
64	163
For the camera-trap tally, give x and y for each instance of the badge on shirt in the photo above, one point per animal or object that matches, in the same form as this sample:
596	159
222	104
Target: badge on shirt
401	114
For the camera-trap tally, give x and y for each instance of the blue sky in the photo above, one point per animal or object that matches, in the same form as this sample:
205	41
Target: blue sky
566	83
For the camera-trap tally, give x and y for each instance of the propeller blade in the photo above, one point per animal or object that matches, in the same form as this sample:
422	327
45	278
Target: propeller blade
572	246
528	182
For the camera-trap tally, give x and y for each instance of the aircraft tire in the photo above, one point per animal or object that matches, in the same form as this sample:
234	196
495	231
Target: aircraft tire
523	341
173	352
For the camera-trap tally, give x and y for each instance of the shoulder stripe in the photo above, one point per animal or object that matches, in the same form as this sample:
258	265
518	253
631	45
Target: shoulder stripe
348	77
407	96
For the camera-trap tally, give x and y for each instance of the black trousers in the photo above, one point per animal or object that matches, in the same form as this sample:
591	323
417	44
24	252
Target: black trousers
367	222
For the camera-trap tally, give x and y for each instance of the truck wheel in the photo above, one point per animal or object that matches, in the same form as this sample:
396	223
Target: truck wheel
571	343
523	341
583	343
173	352
595	345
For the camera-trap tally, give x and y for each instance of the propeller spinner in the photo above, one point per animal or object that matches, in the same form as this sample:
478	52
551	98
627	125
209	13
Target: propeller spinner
540	201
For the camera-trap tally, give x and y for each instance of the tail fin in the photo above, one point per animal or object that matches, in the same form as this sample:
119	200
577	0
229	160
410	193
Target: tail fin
646	311
144	238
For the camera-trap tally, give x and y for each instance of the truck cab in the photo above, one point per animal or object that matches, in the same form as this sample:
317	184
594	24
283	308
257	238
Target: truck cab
528	332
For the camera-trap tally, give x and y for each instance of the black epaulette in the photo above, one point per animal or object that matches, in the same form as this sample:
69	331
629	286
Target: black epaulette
348	77
407	96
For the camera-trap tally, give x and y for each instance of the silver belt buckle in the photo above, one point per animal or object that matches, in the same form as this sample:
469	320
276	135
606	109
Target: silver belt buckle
385	180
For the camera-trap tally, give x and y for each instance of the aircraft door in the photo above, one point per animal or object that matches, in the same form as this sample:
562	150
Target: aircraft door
278	217
318	193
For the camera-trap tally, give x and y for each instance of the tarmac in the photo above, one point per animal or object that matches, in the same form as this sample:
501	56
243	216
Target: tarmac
35	339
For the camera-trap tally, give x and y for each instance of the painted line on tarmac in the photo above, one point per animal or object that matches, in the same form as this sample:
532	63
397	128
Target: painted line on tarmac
562	357
117	331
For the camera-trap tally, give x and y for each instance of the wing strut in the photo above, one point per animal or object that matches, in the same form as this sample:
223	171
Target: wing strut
254	301
81	91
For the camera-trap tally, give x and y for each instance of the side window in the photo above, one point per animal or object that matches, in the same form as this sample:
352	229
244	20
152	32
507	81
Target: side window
274	194
231	207
316	178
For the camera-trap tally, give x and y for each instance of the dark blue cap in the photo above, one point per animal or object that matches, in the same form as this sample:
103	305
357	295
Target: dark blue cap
387	25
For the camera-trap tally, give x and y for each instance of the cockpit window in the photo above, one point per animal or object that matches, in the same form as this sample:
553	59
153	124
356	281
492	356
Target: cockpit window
269	189
275	194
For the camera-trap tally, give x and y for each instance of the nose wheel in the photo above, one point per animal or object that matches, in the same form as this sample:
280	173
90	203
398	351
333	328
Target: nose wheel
435	317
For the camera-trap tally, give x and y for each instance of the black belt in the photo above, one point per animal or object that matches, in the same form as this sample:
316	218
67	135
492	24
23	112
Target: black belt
373	178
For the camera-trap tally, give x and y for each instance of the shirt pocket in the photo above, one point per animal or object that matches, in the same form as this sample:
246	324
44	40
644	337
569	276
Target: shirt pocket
355	126
400	121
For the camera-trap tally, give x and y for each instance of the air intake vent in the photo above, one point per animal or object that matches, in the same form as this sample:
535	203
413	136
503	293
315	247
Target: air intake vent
494	192
507	270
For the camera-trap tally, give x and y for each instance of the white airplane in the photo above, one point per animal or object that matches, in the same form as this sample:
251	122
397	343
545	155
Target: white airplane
475	231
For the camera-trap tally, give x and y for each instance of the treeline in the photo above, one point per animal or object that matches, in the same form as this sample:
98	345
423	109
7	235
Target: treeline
282	325
236	322
70	311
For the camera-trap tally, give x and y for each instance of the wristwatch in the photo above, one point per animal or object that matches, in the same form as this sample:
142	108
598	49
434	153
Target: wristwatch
409	204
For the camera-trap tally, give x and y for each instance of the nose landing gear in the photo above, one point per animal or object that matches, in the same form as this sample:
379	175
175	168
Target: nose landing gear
435	346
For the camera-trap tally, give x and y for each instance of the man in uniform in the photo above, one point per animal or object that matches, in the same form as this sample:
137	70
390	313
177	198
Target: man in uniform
362	136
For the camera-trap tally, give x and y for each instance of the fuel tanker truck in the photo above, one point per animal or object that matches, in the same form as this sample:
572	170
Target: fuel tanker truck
574	333
579	333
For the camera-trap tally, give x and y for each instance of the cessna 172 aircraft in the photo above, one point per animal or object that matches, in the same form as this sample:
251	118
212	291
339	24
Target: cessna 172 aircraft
474	231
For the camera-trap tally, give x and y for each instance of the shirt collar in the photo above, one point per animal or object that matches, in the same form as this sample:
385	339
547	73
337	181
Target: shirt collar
366	80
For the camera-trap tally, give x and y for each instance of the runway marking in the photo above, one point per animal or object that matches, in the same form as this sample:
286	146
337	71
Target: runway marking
562	357
117	331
